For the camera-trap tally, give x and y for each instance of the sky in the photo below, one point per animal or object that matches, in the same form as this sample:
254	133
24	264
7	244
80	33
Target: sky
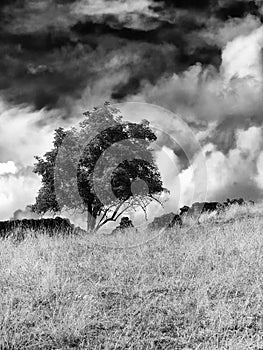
199	59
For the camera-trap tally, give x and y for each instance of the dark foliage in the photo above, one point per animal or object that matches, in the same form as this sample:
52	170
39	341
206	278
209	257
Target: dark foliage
165	221
125	223
20	228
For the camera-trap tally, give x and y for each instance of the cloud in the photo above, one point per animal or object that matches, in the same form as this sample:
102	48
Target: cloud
36	16
187	4
204	94
235	169
242	57
17	190
102	7
224	108
259	174
222	33
8	168
236	8
45	15
77	40
24	133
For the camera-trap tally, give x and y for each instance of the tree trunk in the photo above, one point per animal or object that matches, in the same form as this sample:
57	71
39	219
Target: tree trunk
90	223
91	220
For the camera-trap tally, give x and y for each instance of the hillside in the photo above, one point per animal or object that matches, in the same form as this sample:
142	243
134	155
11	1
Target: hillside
200	287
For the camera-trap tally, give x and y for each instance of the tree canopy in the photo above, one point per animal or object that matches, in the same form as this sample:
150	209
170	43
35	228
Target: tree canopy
104	166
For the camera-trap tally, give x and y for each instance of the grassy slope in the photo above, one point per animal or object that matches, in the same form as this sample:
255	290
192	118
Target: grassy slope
197	289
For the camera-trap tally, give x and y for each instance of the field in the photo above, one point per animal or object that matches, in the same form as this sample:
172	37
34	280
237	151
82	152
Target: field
200	287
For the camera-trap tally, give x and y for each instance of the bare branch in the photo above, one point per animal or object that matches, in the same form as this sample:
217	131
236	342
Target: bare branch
112	218
104	215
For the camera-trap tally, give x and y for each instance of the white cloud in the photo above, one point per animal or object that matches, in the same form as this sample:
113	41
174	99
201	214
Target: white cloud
225	171
17	191
21	136
115	7
242	57
130	13
8	168
259	175
221	33
250	141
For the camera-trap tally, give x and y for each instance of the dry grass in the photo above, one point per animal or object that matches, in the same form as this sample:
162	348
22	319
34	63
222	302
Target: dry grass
198	288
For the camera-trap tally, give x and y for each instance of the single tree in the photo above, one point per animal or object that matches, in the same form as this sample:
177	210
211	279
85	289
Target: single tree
104	167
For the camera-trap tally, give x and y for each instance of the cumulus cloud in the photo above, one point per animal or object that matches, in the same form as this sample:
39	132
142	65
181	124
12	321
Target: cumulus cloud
8	168
225	109
242	57
206	94
222	33
16	191
233	174
24	134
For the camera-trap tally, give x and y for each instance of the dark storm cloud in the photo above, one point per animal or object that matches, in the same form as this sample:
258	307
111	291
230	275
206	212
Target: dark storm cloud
187	4
54	53
228	9
51	51
57	53
224	9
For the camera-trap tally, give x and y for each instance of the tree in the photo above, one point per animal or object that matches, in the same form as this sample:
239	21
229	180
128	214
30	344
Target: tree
103	167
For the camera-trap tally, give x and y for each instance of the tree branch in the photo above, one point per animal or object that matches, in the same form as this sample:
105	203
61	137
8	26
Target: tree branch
112	218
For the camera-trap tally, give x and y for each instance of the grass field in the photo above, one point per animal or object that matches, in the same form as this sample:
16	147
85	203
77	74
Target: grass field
200	287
